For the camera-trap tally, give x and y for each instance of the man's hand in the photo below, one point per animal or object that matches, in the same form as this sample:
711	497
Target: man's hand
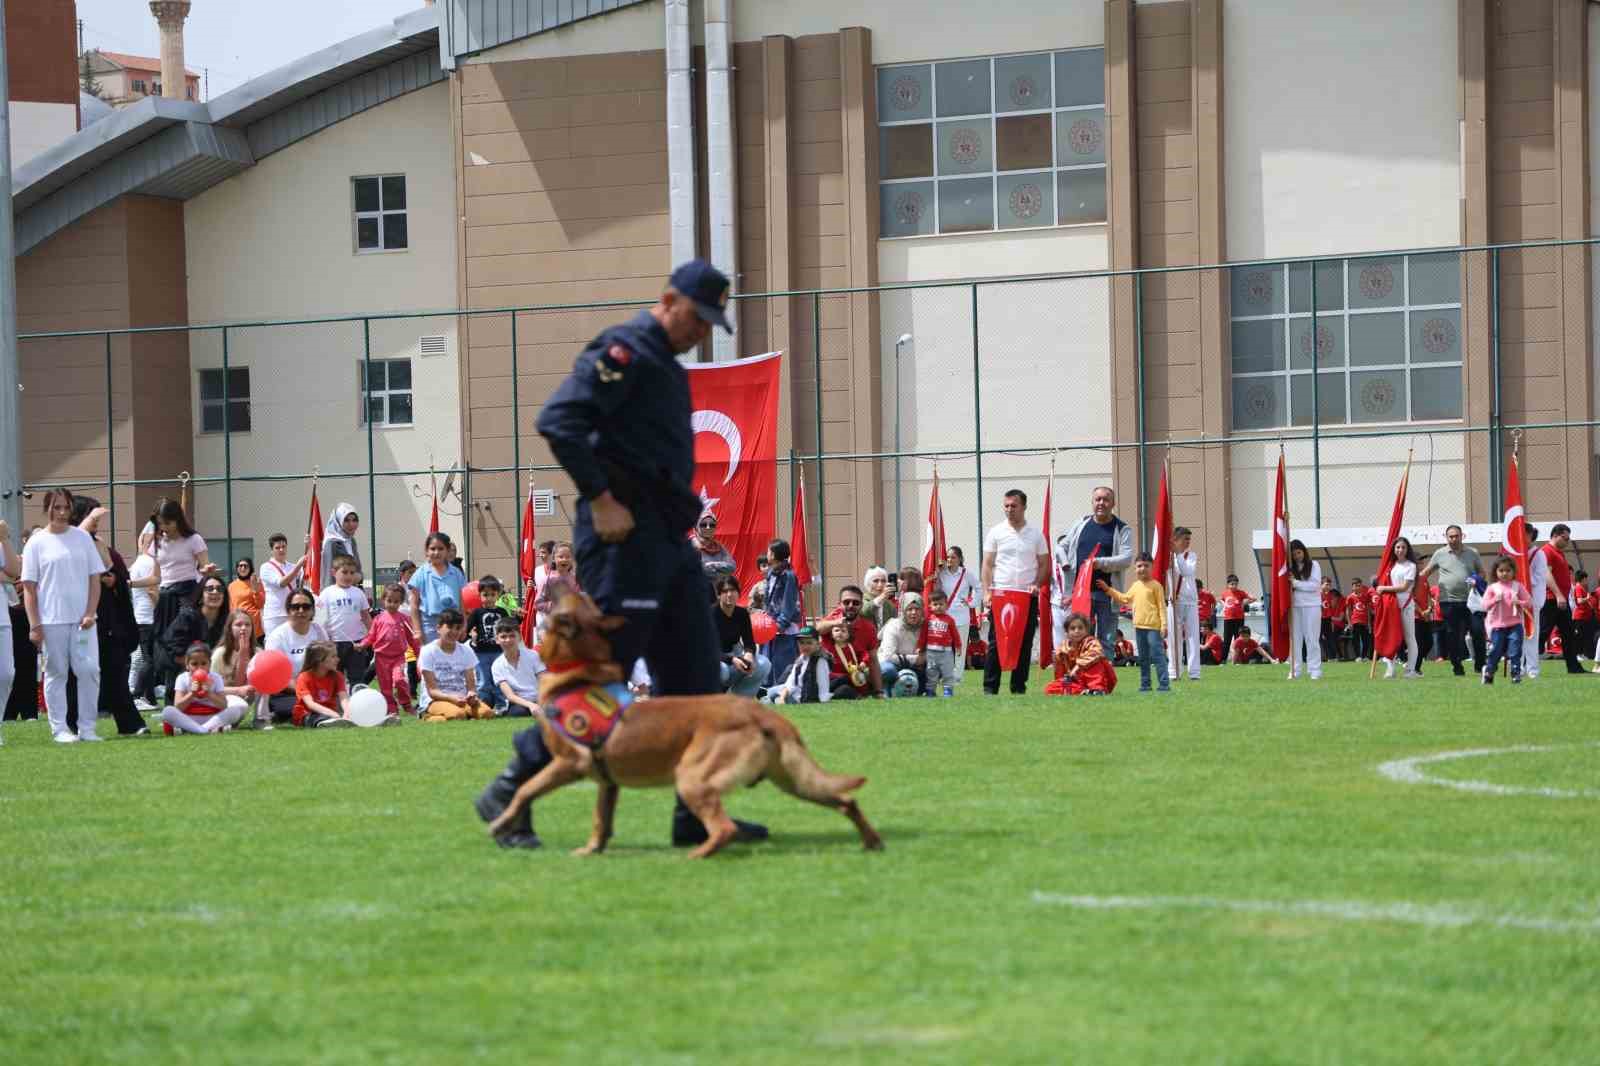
744	666
5	530
86	622
988	598
612	521
36	634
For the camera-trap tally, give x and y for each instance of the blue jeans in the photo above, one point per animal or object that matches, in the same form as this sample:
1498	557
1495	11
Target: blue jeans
1505	643
746	685
1148	644
1105	624
781	652
488	691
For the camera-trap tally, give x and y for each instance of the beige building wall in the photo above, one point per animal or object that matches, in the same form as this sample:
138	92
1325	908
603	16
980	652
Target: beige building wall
36	127
118	267
277	242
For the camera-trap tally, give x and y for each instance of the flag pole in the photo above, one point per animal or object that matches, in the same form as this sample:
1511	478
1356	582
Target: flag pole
1177	656
183	493
1405	483
1288	554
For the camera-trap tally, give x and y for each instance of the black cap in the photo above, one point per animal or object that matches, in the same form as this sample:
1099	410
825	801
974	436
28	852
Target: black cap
706	287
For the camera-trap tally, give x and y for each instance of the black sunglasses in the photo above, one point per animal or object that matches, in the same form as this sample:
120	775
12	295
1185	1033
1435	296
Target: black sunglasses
301	607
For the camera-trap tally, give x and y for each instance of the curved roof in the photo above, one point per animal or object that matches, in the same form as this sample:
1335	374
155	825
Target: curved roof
177	149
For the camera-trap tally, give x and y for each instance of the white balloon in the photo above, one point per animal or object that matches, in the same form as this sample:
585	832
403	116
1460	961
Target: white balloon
368	707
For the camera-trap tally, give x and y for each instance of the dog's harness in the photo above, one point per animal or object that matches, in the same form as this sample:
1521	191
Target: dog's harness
587	714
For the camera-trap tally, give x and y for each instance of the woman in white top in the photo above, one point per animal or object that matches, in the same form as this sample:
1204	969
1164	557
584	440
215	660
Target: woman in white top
144	576
181	554
1401	577
1305	613
61	571
960	590
293	638
9	572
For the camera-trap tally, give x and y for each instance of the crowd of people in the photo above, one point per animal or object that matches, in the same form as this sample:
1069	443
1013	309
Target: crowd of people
86	633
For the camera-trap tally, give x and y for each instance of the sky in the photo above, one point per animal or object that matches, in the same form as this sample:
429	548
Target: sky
237	39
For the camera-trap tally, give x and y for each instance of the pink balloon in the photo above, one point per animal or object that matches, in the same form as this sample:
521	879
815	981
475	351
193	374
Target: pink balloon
471	598
270	671
763	626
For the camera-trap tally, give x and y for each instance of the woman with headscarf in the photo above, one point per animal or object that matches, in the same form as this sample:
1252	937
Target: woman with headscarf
339	540
245	592
715	559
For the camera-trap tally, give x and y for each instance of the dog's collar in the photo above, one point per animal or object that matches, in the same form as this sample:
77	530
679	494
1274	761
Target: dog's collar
565	666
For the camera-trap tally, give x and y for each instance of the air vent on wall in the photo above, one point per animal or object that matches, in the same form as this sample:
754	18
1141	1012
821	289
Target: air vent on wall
544	502
435	346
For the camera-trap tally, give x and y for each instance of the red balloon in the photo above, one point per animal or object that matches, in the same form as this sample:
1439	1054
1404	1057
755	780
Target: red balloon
471	598
270	671
200	681
763	626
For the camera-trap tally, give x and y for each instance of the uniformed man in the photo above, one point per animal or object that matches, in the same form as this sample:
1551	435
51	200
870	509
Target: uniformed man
620	427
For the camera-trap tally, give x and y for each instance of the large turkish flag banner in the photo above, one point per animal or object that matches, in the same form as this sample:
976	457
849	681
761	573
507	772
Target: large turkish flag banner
736	452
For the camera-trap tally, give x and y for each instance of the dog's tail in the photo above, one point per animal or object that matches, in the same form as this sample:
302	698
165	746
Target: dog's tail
795	771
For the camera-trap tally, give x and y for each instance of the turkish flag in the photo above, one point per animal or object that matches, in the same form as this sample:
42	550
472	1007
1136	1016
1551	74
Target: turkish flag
799	556
1047	636
1514	541
1278	583
1083	586
933	543
735	425
433	517
1009	609
314	546
527	560
1388	634
1161	546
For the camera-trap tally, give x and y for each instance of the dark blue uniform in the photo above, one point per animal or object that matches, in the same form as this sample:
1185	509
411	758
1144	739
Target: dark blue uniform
620	422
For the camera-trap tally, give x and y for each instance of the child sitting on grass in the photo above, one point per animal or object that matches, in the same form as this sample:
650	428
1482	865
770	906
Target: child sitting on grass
1247	650
807	679
1147	599
449	675
1122	654
1081	667
200	706
516	671
322	699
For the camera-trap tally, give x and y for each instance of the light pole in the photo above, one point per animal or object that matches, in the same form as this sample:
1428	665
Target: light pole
899	515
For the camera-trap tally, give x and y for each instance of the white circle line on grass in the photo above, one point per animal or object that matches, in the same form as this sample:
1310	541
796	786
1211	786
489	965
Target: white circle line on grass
1431	915
1409	772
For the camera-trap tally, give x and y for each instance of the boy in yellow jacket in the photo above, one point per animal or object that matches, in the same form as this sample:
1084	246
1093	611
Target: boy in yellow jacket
1149	621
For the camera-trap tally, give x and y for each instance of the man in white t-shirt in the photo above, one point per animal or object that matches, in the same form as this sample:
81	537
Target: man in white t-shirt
61	590
1015	558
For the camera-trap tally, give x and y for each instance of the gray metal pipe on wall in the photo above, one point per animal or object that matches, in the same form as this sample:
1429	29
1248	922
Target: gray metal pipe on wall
722	161
680	133
10	373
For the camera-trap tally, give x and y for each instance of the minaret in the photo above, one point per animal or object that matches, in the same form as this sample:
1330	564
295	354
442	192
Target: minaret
169	16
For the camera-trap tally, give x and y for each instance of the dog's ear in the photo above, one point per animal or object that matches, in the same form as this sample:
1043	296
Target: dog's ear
564	625
611	623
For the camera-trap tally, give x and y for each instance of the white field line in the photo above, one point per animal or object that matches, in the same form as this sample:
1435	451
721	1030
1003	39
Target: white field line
1410	772
1431	915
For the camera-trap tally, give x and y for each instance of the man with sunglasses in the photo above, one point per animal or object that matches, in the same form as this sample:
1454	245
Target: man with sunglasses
863	646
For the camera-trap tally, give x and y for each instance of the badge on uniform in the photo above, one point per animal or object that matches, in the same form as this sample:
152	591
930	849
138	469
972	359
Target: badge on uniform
608	367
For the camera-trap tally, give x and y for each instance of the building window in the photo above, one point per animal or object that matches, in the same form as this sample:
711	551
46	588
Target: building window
138	85
155	88
380	206
388	395
236	405
1010	142
1387	341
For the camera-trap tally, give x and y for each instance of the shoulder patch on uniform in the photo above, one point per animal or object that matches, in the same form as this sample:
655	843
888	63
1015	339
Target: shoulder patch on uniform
619	355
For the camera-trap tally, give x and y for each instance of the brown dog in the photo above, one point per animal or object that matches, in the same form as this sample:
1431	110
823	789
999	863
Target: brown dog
702	745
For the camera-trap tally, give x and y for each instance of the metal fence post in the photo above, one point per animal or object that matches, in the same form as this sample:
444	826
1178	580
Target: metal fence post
227	452
111	451
1138	355
372	477
1316	407
516	415
1497	503
977	414
822	476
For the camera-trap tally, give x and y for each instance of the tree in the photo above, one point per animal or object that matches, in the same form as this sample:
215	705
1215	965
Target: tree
87	81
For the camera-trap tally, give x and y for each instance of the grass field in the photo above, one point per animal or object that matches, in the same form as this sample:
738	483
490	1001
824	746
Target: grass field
1217	876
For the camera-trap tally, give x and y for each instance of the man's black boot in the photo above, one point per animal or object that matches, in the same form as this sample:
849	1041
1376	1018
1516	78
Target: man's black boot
496	797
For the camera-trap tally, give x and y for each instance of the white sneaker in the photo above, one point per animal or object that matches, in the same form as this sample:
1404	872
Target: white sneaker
65	738
89	737
1388	670
1412	673
143	706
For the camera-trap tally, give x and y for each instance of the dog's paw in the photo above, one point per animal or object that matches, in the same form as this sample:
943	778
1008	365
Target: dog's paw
588	849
